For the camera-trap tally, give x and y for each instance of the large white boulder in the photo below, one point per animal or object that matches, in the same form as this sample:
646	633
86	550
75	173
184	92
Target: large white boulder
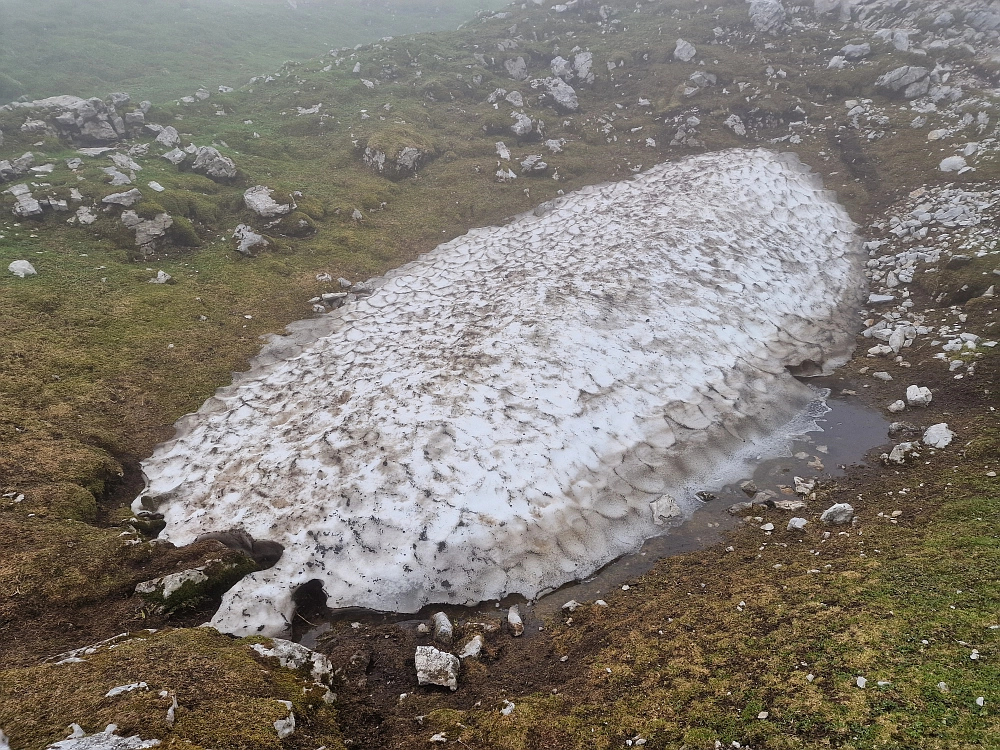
437	667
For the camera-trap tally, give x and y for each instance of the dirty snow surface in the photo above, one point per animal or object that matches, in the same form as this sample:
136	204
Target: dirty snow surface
524	403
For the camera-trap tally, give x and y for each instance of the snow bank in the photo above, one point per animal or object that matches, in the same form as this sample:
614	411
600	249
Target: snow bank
506	413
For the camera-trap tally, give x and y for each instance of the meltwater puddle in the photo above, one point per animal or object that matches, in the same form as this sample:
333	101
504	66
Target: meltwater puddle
835	432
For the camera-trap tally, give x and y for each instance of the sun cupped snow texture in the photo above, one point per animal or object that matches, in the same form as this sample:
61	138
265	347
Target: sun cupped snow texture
512	410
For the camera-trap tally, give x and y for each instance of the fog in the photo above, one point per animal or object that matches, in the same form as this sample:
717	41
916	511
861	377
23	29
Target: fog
161	49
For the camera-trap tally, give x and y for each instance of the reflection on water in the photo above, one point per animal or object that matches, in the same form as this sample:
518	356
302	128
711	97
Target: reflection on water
833	433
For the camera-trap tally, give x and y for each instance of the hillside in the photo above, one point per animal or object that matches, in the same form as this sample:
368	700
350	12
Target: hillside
170	235
160	50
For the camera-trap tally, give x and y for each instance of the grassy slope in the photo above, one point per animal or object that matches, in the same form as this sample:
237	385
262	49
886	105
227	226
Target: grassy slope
158	49
88	367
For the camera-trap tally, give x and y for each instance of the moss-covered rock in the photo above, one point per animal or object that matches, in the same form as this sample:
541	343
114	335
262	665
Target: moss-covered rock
187	589
399	151
297	224
182	233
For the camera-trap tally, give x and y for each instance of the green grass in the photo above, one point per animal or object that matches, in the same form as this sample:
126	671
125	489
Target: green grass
903	605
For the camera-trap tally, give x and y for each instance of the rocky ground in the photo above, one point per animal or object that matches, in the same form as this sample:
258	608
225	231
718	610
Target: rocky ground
877	633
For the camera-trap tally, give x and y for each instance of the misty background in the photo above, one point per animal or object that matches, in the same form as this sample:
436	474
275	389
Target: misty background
164	49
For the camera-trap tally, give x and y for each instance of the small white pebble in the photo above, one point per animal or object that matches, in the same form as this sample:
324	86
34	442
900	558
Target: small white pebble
861	682
763	715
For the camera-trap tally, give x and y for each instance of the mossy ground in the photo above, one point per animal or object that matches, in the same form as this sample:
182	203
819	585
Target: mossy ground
227	695
97	363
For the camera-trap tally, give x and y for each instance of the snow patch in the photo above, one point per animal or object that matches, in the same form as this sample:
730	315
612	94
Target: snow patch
514	409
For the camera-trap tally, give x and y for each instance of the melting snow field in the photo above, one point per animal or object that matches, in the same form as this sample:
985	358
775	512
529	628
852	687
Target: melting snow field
524	403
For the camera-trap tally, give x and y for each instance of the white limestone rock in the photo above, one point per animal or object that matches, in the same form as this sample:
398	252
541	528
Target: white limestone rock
514	621
126	199
22	269
917	395
443	630
437	667
147	231
209	162
938	436
523	125
559	93
909	80
797	524
248	242
952	164
258	199
840	514
901	453
684	51
557	395
168	136
106	740
296	656
175	156
768	16
516	69
472	648
25	204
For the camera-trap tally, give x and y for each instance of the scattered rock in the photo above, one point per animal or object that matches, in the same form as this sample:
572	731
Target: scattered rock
664	509
854	52
175	157
735	123
910	80
952	164
938	436
22	268
162	277
25	205
443	630
148	231
436	667
472	648
127	199
285	727
514	621
901	453
768	16
248	240
258	199
804	486
684	51
840	514
559	93
516	69
214	165
296	656
918	395
167	136
523	125
797	524
106	740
